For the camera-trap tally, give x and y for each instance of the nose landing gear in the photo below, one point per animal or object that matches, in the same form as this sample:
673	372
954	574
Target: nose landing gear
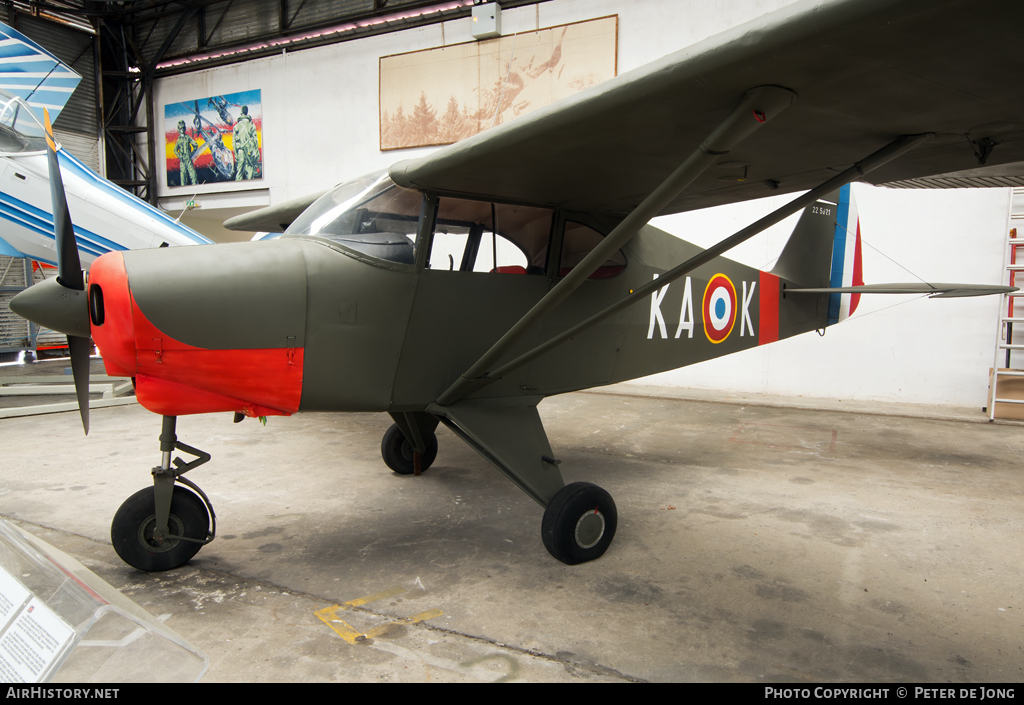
163	526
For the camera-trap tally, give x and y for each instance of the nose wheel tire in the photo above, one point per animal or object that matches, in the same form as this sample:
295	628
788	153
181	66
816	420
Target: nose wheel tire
579	523
398	452
131	532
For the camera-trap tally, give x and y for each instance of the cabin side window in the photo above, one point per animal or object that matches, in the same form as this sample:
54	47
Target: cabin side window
495	238
577	243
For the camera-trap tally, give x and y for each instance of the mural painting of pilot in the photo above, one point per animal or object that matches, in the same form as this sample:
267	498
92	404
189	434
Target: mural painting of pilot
214	139
247	147
185	148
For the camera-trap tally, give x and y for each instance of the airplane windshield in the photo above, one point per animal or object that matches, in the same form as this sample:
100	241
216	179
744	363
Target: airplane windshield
20	129
371	215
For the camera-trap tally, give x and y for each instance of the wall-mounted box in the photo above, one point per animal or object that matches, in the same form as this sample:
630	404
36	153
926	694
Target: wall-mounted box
486	20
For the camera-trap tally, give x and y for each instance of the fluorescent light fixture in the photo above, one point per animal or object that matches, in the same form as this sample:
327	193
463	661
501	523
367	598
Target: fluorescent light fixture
285	42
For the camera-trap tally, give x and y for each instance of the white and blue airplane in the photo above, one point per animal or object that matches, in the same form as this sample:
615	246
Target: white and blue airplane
31	79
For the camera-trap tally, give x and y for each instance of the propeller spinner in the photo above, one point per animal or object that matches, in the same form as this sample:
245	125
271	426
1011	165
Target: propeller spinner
61	304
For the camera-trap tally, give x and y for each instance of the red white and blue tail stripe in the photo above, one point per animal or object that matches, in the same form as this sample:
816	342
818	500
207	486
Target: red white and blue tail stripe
847	263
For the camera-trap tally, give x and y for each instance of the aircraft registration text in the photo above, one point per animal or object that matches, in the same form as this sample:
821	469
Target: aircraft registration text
720	308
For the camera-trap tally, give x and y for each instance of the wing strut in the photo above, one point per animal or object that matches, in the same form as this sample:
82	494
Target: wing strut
759	105
884	155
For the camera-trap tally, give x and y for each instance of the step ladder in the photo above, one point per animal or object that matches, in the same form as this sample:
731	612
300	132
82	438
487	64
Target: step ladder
1007	317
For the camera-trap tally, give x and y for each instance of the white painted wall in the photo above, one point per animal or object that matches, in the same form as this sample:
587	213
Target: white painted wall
321	128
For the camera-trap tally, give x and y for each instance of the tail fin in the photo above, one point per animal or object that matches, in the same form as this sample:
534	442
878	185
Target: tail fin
825	251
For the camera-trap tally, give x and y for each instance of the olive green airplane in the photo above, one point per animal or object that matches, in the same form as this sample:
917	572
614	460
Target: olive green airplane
465	286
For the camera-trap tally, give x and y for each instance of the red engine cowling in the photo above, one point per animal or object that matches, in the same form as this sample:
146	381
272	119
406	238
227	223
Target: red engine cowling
173	378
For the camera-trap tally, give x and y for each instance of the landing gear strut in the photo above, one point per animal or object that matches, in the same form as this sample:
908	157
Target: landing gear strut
163	526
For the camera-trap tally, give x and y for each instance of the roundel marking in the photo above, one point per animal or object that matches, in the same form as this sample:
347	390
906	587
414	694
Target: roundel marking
719	308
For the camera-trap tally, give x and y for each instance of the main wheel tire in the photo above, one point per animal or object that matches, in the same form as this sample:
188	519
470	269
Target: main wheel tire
131	531
579	523
397	451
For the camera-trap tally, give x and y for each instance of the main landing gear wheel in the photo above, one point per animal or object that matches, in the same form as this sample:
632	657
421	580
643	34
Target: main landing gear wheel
579	523
131	532
398	452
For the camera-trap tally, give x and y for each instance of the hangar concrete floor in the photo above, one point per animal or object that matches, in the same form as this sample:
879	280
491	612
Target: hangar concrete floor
755	543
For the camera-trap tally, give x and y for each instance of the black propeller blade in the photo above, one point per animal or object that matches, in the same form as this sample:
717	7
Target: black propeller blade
69	271
61	304
80	348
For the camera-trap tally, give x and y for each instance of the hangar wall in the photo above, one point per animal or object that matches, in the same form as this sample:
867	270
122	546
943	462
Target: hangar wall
320	125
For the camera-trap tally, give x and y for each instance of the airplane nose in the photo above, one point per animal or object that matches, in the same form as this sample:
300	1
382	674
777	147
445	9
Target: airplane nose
56	307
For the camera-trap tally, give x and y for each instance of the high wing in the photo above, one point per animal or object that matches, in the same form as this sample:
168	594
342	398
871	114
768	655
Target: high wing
864	71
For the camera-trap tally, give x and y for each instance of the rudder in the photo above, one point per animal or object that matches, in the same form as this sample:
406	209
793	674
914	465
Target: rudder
825	251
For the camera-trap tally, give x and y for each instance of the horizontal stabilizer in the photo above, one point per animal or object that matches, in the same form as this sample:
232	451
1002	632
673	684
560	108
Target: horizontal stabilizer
937	291
273	219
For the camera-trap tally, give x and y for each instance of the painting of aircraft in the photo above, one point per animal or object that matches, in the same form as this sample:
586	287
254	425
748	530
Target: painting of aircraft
464	286
210	123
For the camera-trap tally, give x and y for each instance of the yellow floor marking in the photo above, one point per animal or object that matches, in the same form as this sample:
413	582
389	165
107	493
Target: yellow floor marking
422	616
360	601
385	628
381	630
329	616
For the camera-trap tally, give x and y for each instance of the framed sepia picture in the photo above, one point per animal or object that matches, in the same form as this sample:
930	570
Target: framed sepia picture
442	95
